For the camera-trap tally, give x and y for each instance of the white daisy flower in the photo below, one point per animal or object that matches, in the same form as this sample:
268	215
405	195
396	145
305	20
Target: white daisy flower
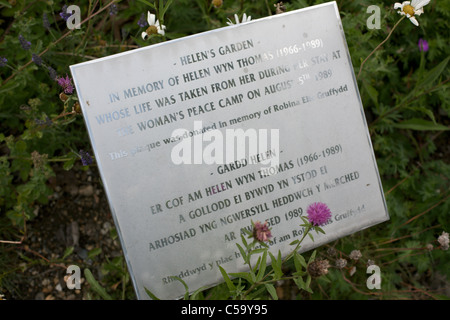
154	27
410	9
244	19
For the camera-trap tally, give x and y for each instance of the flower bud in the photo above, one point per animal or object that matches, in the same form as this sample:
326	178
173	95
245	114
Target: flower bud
63	97
318	268
217	3
77	108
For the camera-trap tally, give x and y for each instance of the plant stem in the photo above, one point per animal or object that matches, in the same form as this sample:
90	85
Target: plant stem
57	41
257	283
379	46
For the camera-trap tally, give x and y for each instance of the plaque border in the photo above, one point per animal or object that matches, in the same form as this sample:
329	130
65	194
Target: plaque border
74	67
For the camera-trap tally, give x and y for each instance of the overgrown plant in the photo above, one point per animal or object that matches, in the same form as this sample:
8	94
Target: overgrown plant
259	281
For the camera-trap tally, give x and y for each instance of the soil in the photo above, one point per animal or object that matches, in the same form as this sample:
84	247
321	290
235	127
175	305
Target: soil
77	216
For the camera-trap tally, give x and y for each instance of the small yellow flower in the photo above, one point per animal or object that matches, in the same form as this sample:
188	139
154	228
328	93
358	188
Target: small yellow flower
154	27
411	9
217	3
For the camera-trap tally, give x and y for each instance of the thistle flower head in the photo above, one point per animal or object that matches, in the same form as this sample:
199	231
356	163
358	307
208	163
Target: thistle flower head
261	231
318	268
341	263
355	255
318	213
66	84
443	240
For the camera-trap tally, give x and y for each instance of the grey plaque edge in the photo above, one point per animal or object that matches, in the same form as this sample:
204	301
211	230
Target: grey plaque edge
113	212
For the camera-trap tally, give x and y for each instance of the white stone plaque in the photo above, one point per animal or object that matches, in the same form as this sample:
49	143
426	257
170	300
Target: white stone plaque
196	138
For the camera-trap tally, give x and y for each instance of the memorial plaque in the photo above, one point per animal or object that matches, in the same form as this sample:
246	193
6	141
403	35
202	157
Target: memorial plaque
196	138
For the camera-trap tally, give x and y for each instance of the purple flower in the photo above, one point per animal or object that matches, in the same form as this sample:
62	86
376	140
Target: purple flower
86	159
45	21
66	84
36	59
52	73
261	231
113	10
40	122
318	213
26	45
3	61
423	45
63	14
142	21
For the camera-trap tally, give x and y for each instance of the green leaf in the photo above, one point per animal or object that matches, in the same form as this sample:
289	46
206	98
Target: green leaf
256	266
276	267
69	163
421	125
68	252
262	268
94	252
196	293
95	285
300	283
150	294
426	111
256	251
151	5
242	251
244	242
163	11
271	289
257	293
312	257
308	281
5	3
227	279
186	294
298	259
319	229
433	74
9	86
245	275
373	93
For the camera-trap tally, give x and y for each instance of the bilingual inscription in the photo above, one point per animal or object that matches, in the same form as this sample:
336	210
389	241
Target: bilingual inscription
198	137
